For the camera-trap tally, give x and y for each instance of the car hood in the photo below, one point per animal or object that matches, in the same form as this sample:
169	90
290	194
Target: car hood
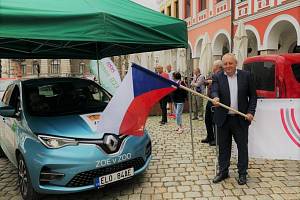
71	126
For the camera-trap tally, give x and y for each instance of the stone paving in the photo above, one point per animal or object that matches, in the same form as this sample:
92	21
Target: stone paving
173	174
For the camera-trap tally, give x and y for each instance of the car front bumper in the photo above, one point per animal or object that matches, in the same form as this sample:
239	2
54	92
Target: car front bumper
82	164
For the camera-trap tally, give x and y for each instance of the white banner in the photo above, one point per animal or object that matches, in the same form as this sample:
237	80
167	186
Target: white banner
109	74
275	134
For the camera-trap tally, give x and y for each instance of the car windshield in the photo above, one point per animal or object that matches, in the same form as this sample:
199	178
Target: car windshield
64	97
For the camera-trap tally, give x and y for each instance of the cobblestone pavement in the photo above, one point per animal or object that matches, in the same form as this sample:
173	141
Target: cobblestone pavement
173	174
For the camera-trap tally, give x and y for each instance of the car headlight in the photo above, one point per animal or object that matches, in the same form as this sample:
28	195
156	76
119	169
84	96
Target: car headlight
56	142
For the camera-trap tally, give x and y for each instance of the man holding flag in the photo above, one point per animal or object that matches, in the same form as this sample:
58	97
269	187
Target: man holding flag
234	88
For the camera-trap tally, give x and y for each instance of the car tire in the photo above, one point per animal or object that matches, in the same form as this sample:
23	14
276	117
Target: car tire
24	182
2	154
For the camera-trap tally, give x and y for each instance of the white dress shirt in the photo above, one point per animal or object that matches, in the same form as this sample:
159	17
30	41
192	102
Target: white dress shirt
233	87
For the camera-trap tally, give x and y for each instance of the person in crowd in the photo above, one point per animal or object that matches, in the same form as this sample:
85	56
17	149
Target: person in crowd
163	102
234	88
170	102
179	96
198	85
210	138
170	72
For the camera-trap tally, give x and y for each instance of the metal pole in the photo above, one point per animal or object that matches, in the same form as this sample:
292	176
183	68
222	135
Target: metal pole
98	64
188	62
217	144
8	68
98	71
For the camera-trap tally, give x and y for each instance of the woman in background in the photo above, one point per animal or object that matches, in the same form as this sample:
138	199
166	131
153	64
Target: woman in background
179	97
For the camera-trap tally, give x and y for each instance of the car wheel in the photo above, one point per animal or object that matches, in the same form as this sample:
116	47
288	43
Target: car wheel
2	154
25	185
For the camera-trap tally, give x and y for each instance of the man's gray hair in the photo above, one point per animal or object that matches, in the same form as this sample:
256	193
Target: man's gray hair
218	63
231	55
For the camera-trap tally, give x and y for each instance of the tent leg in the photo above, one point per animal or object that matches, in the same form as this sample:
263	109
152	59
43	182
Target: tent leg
189	74
98	71
98	64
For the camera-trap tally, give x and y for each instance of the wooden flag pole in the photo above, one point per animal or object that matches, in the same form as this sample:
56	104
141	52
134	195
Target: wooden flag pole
210	99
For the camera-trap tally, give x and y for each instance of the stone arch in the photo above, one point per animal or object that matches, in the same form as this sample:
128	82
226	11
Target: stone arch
277	28
198	46
250	28
220	41
253	40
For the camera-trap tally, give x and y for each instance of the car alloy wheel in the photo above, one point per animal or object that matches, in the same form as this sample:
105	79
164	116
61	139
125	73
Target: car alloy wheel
1	153
23	179
26	189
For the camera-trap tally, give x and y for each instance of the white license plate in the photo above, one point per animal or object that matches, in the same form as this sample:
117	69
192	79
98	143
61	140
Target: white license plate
110	178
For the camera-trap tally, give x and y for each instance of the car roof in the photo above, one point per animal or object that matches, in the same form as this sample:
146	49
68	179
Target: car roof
52	79
287	56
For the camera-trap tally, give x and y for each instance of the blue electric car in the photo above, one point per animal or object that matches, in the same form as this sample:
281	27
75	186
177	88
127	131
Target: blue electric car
48	130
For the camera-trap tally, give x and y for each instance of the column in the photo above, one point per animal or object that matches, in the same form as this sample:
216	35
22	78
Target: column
210	8
44	67
249	7
194	10
65	67
255	6
180	8
172	9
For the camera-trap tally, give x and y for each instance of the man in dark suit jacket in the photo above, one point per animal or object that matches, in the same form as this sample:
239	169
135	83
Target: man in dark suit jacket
234	88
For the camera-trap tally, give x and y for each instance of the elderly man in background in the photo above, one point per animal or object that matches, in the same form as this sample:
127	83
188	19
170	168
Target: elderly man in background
198	85
234	88
210	138
163	102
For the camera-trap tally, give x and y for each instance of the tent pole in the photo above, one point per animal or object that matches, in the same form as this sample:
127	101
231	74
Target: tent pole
98	71
189	74
98	64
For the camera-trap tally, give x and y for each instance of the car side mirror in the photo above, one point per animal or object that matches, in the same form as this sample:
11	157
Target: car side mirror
7	111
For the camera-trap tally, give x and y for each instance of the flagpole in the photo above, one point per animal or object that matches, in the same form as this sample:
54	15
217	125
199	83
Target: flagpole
210	99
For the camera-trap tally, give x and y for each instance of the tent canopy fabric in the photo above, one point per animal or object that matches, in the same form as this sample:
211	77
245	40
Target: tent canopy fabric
90	29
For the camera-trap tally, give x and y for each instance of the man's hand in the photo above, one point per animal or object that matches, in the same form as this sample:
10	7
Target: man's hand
249	117
216	101
209	81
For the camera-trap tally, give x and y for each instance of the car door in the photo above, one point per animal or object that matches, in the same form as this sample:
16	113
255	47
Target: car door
11	124
3	120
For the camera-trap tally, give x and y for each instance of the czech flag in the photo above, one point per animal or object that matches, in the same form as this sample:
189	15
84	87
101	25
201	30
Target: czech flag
129	108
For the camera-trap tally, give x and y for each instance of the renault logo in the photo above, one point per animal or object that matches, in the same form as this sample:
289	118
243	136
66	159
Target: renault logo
111	142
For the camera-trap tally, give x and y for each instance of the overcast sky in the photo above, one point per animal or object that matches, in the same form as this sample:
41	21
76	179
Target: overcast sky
148	3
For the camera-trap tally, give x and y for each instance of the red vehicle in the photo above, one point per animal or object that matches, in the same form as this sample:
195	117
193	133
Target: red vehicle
276	76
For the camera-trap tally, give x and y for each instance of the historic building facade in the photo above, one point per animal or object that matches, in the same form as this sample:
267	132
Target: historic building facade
28	68
272	26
